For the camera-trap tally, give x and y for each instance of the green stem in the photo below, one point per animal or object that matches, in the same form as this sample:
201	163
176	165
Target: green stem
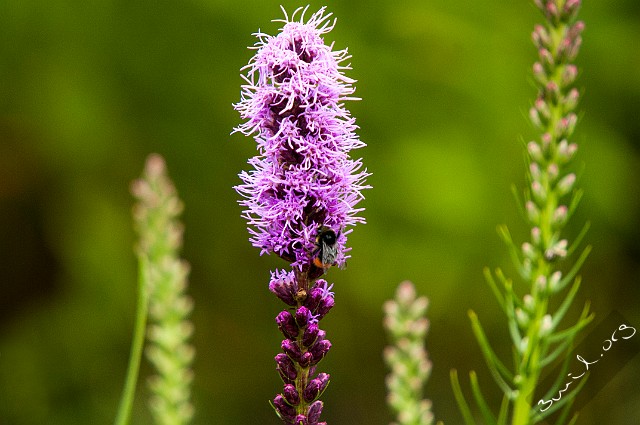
128	392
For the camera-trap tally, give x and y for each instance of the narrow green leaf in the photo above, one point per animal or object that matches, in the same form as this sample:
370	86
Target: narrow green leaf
575	200
566	397
519	202
555	353
494	288
498	370
561	376
566	303
480	400
511	315
514	252
574	419
574	270
462	403
504	411
578	240
573	330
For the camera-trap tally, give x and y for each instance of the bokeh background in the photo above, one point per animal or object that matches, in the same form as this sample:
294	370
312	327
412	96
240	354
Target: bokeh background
89	88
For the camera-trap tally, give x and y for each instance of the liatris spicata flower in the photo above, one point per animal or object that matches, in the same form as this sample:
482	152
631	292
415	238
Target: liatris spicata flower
549	202
407	327
302	193
164	276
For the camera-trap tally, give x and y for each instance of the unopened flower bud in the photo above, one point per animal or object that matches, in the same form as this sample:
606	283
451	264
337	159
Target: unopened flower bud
566	151
552	92
546	325
529	251
302	316
291	395
552	172
540	37
529	302
535	152
533	213
566	125
306	359
560	216
536	237
325	305
570	101
539	74
287	324
314	411
291	349
569	75
534	117
285	410
313	298
315	387
310	335
284	286
565	185
541	283
564	50
543	109
534	170
546	59
570	10
286	367
539	193
526	268
554	280
557	250
546	140
574	48
522	318
319	350
575	30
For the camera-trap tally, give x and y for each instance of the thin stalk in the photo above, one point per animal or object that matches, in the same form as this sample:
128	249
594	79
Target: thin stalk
128	392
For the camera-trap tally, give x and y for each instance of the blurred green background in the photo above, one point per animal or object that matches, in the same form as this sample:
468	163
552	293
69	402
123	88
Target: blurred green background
89	88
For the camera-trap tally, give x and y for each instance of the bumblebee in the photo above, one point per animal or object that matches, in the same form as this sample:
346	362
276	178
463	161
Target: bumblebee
326	251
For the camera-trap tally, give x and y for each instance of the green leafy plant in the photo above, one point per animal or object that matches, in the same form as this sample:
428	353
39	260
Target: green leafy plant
406	324
162	282
542	263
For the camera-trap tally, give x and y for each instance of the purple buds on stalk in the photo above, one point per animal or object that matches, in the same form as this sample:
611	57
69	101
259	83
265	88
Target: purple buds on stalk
301	195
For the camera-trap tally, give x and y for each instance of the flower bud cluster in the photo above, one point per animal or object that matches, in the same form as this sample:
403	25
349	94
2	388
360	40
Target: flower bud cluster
304	346
166	279
407	327
553	114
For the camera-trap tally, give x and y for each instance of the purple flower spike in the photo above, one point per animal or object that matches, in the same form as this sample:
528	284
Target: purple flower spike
301	194
303	179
